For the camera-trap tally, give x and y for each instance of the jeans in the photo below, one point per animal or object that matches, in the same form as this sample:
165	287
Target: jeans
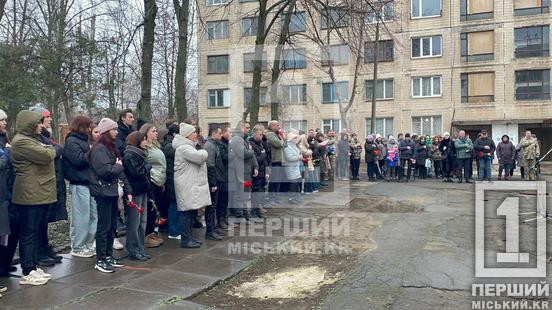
484	168
506	168
186	219
43	242
464	163
174	224
84	218
211	213
355	166
136	225
343	167
30	220
371	169
107	225
422	171
277	180
408	164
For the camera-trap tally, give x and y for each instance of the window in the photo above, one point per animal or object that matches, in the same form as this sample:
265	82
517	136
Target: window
426	47
295	94
331	124
386	13
385	51
294	59
335	55
332	94
426	8
384	89
218	98
297	23
263	97
384	126
533	84
476	9
216	30
427	125
297	125
475	46
528	7
334	18
216	2
217	64
477	87
426	86
249	26
532	41
248	62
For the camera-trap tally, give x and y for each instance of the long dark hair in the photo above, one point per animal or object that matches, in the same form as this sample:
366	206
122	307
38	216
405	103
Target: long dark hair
105	139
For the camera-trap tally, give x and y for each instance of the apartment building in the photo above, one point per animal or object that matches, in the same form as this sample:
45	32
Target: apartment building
444	65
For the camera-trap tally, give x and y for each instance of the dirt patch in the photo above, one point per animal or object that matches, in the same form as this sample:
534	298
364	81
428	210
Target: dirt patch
280	282
385	205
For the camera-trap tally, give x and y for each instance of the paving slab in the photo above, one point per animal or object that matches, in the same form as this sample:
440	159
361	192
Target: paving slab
117	298
210	266
171	282
44	296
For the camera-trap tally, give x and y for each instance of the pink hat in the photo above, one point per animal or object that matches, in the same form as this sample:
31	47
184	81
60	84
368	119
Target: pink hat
106	125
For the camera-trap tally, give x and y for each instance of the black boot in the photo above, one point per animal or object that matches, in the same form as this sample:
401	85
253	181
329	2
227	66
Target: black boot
190	245
213	236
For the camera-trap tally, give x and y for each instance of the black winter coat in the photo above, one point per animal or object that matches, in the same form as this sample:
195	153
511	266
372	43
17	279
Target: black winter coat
56	211
168	150
215	167
479	147
448	152
137	170
260	148
122	133
76	168
406	153
369	155
4	194
223	150
106	173
421	155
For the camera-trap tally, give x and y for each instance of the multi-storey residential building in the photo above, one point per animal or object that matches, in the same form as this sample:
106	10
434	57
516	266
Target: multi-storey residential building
445	65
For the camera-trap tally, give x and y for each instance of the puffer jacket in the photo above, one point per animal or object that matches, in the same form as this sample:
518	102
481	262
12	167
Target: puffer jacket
405	152
76	168
58	210
506	152
190	175
292	164
479	147
33	162
421	153
137	169
168	150
106	174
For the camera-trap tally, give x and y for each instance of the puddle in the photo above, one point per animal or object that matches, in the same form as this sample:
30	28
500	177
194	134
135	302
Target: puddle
385	205
293	283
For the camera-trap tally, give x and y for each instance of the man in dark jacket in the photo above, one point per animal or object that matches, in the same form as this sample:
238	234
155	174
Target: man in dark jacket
168	150
215	177
446	147
484	148
406	149
506	152
222	203
125	127
259	182
58	210
277	140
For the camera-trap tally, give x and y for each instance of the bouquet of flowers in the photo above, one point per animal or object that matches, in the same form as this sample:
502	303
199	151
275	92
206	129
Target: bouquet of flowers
159	220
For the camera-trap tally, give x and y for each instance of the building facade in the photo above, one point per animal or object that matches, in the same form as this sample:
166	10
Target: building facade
444	65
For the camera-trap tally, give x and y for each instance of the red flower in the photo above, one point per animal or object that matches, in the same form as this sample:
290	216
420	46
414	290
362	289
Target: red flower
140	210
247	184
160	221
132	204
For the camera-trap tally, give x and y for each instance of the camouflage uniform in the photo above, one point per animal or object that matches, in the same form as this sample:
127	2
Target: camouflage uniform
530	149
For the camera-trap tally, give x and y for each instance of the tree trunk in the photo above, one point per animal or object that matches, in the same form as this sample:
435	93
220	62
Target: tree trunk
375	79
253	107
182	16
276	68
2	7
144	105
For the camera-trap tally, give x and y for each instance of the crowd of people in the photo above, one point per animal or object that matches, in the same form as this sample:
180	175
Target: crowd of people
140	180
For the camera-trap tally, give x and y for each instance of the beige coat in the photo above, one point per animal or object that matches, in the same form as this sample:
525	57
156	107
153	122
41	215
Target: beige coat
190	175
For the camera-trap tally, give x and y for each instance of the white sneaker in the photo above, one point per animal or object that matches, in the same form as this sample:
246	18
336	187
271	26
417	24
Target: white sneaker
84	253
43	274
117	245
175	237
33	278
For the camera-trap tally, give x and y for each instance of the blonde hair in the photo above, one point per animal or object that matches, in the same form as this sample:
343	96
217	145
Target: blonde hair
145	129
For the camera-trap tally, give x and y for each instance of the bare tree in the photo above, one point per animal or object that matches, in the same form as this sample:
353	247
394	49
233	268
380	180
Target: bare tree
182	12
144	104
2	7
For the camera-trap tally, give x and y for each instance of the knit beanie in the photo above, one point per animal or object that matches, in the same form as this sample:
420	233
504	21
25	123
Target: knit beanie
41	110
106	125
186	129
3	115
